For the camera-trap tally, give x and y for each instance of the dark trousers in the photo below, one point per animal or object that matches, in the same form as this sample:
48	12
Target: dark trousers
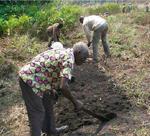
39	110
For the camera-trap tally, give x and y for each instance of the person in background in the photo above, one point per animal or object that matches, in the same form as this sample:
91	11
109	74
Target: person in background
95	27
124	8
129	8
53	32
41	78
147	7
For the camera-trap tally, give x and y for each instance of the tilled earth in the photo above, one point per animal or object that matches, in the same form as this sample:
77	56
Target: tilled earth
98	92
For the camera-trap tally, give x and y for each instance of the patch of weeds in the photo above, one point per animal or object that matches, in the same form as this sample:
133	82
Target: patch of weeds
22	48
107	7
122	33
135	91
141	18
121	36
142	131
122	51
113	19
139	98
79	35
146	46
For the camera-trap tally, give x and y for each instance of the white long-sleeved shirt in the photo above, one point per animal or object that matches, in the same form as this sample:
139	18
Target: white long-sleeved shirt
92	23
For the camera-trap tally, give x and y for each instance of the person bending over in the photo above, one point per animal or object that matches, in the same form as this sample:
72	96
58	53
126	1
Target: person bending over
94	28
53	32
41	78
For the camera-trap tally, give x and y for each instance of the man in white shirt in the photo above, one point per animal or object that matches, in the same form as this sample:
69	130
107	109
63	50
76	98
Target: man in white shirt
99	27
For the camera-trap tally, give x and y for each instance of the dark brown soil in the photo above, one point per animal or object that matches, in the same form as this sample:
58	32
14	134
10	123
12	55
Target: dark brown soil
98	92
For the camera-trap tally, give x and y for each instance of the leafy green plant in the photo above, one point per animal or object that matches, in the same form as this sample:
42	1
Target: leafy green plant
70	15
12	23
19	17
24	19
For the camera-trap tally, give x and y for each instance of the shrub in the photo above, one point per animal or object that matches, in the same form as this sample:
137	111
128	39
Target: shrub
24	20
15	24
12	23
108	7
51	14
19	17
70	14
